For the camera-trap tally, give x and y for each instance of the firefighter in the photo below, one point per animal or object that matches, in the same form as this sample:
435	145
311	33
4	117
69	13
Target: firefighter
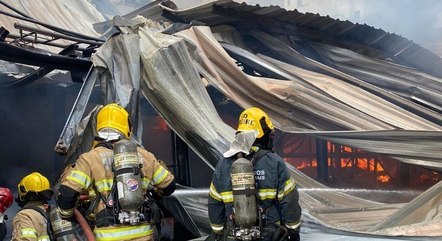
95	170
31	222
275	190
5	202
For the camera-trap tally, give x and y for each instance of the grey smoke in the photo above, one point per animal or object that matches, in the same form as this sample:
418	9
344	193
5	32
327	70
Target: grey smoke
419	21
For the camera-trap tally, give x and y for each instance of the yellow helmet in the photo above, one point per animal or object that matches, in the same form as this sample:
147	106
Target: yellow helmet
116	117
250	119
35	183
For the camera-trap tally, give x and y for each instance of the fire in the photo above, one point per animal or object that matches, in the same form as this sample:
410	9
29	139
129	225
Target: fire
379	167
346	162
347	149
160	124
303	165
384	178
362	164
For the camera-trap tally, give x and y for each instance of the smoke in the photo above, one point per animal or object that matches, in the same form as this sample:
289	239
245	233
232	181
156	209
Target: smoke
418	21
110	8
32	118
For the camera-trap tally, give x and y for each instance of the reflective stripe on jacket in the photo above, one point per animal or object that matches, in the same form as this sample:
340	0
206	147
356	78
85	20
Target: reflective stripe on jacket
276	192
30	225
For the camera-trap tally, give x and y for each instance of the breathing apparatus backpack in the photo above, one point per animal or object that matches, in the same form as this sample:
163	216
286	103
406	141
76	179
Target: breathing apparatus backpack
247	215
127	202
131	201
58	229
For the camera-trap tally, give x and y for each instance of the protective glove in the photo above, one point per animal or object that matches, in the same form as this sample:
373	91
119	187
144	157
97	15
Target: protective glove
294	235
66	214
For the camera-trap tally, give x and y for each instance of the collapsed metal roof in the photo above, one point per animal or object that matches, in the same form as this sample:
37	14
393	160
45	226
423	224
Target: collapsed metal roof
299	89
299	93
170	71
274	19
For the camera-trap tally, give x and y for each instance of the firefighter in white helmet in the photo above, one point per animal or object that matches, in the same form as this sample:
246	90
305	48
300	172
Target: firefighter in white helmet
96	170
31	222
272	187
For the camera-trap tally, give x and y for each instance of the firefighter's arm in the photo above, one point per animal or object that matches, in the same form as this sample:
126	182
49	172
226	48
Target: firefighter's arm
77	180
288	198
163	180
23	228
217	210
216	207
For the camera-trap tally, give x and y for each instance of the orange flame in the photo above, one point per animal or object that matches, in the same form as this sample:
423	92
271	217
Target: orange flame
314	163
384	178
362	164
303	165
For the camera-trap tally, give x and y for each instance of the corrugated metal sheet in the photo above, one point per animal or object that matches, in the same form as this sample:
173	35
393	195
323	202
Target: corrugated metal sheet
151	11
75	16
296	23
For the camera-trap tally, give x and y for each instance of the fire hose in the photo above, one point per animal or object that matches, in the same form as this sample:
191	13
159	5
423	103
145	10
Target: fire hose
82	221
84	225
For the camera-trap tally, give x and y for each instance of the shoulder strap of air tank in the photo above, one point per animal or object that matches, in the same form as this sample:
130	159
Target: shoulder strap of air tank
102	217
105	145
102	197
39	210
95	202
256	156
45	215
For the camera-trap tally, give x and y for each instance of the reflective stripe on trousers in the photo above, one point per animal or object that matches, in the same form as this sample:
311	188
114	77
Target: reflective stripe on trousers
122	233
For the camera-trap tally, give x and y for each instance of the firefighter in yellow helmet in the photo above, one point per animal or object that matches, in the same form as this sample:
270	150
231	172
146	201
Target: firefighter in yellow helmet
31	222
96	170
271	185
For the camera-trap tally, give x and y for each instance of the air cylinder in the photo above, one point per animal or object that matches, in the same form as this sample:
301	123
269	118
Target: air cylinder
127	171
62	229
243	187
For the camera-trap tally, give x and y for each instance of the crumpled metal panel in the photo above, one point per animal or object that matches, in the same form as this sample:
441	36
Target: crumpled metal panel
116	66
173	86
408	83
118	63
71	130
361	34
75	16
